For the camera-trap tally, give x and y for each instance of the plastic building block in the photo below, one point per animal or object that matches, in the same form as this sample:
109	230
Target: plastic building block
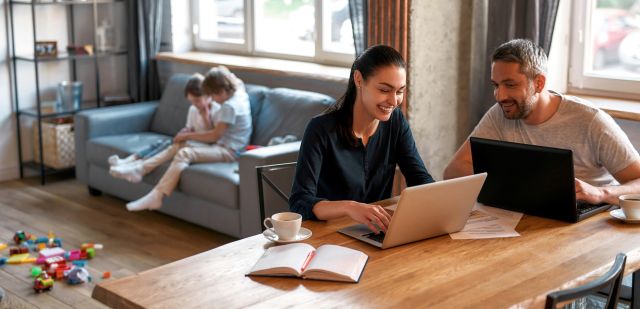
18	250
73	255
81	263
2	246
90	253
106	275
36	271
29	260
51	252
3	260
18	258
20	236
90	245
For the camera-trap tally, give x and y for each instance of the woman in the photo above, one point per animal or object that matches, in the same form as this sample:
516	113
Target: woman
218	138
348	155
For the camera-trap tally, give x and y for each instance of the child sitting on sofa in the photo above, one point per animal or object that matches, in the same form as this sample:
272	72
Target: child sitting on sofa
214	137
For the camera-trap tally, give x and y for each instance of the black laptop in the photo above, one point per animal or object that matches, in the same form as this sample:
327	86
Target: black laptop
532	179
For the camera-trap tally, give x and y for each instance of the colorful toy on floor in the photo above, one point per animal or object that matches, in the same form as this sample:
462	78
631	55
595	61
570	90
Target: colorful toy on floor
18	258
42	283
51	252
3	245
20	236
78	275
36	271
3	260
18	250
106	275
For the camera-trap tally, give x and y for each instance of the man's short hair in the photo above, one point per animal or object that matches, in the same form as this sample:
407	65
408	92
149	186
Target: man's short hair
530	56
194	85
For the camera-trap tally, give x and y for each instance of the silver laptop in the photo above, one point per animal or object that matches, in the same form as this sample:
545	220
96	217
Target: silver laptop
425	211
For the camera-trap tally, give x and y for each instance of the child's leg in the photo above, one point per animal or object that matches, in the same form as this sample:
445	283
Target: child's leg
153	200
115	160
134	171
188	155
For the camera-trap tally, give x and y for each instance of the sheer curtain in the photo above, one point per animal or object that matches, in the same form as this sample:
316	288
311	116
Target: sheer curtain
498	21
144	43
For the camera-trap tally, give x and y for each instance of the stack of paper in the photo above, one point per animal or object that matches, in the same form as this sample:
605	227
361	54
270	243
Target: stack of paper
489	222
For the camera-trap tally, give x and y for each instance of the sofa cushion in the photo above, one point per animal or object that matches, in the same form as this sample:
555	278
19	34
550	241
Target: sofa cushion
100	148
171	115
287	111
215	182
257	96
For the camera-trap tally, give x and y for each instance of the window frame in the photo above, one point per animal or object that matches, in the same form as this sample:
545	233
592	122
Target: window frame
248	48
584	82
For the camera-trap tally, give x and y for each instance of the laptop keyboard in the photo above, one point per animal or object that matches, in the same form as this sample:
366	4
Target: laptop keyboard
584	207
377	237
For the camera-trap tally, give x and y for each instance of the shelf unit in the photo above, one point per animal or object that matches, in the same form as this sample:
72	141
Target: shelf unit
77	64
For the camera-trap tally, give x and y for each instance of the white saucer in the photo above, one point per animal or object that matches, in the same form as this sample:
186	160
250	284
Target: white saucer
618	214
303	234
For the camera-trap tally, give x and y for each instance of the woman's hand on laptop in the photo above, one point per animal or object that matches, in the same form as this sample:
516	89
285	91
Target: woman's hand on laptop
374	216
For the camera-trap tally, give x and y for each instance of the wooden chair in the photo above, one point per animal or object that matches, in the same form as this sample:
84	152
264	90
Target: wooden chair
279	178
611	279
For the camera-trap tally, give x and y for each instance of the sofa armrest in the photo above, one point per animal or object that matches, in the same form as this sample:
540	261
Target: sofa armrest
249	204
108	121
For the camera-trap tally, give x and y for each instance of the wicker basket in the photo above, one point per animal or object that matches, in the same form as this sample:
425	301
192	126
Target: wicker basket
57	143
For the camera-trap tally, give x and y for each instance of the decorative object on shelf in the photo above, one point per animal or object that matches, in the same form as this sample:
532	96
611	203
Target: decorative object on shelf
116	99
46	48
80	49
57	143
105	36
69	95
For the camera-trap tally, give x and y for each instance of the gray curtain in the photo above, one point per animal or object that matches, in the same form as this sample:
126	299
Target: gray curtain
504	20
145	21
358	14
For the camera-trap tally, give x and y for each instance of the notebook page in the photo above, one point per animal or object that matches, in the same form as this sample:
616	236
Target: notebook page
287	256
340	260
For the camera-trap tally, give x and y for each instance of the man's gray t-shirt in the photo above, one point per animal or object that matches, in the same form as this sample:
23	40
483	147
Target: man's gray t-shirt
600	147
236	112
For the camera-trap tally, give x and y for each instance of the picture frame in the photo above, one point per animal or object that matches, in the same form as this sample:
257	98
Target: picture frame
46	48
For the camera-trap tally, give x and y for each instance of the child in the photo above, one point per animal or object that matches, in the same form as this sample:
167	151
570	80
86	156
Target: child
226	132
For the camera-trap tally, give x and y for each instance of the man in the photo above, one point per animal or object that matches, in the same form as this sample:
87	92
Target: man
606	164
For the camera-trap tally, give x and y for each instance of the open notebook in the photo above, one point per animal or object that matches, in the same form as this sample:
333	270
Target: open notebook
328	262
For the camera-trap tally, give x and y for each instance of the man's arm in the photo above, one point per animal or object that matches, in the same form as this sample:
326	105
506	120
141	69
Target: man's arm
461	164
629	179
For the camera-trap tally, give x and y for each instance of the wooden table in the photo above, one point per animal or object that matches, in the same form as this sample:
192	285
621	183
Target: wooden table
438	272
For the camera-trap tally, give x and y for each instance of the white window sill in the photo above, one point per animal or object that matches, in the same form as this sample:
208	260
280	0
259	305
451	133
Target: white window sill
617	108
260	65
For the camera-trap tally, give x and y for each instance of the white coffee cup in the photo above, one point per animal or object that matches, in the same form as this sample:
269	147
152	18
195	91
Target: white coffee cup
285	224
630	204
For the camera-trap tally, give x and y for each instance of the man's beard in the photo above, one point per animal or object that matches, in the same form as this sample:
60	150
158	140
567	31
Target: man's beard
524	107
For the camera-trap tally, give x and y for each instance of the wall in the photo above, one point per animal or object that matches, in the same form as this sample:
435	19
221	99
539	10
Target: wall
439	78
8	143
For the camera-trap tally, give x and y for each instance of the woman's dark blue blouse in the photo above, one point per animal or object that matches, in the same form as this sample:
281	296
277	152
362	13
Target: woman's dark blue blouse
330	169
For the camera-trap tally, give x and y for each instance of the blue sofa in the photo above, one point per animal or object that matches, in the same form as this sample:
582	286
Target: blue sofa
219	196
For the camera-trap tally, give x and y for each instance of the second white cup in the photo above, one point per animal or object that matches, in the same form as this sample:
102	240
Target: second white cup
630	204
285	224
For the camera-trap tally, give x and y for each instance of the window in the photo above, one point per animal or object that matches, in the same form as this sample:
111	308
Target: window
605	55
308	30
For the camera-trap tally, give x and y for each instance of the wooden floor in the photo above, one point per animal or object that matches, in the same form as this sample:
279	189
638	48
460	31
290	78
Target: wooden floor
133	242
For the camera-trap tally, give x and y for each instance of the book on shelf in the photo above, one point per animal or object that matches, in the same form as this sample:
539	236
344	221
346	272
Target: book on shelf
328	262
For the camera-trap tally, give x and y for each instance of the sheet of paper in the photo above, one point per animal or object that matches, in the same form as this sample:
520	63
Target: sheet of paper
489	222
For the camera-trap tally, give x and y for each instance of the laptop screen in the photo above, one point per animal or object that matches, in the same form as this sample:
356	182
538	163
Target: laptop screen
532	179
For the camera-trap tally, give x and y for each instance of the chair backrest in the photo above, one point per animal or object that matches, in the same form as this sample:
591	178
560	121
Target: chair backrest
612	280
274	188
